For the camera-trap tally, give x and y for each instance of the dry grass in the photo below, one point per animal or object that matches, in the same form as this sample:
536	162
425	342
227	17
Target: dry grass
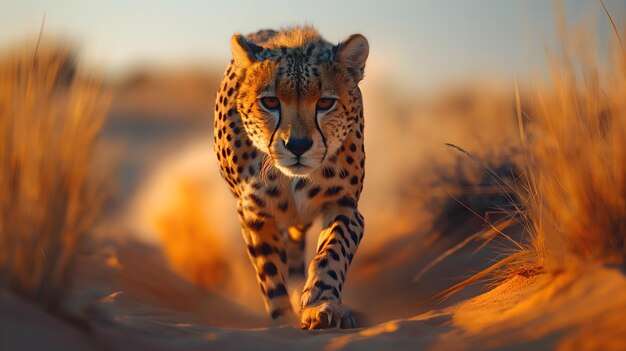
189	241
575	199
572	192
50	117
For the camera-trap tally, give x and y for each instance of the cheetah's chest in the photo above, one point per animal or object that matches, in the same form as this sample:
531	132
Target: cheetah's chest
292	201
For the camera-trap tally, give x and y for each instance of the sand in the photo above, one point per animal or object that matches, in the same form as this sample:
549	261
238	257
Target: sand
160	311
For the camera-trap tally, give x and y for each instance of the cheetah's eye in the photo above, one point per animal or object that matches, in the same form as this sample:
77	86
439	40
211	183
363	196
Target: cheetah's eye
270	103
325	104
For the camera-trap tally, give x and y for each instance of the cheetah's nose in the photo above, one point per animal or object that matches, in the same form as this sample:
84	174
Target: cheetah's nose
298	146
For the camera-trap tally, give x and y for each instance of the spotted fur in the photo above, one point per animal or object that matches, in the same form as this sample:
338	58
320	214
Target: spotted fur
290	164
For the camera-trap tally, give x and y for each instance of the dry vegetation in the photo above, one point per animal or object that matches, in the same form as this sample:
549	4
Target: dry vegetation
571	195
50	117
189	246
575	197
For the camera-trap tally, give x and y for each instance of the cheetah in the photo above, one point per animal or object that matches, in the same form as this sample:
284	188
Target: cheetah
288	137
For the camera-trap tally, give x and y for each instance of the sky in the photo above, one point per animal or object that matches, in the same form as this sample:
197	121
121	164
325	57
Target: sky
418	43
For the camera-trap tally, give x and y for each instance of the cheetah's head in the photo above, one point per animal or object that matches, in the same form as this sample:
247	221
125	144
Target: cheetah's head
299	97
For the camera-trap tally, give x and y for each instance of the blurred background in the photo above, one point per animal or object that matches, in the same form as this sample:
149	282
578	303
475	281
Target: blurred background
438	72
418	44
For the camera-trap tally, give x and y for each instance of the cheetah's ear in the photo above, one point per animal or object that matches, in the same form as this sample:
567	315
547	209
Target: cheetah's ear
244	51
353	52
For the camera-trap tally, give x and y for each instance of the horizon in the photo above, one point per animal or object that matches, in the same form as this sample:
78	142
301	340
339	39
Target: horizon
418	45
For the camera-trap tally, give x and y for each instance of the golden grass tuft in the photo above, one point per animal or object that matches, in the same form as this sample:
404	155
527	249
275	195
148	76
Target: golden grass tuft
50	117
190	243
572	192
575	200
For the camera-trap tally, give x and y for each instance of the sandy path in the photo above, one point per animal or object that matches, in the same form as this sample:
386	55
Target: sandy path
564	311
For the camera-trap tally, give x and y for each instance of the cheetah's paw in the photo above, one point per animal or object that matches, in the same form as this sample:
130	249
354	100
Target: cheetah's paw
326	315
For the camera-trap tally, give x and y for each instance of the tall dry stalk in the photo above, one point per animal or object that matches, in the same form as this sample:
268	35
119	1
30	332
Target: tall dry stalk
50	117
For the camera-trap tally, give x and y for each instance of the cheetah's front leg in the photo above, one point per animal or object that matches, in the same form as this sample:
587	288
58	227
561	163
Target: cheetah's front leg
321	298
269	258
